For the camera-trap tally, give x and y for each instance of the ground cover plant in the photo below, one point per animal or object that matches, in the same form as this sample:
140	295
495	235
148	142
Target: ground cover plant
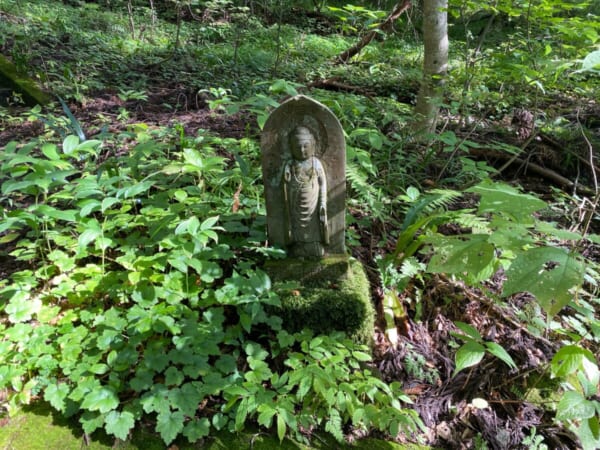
133	231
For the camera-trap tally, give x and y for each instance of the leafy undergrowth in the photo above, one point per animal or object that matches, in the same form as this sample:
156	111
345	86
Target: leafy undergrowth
138	294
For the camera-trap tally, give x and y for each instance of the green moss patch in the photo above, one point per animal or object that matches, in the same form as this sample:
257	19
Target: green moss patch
10	79
40	428
324	295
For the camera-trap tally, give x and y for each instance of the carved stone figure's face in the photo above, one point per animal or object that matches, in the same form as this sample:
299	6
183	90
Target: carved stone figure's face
302	144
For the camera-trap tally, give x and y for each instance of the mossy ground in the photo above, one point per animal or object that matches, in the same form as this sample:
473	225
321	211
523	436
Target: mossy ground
39	428
324	295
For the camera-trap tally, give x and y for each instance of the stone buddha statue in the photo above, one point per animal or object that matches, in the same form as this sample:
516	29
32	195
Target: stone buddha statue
305	196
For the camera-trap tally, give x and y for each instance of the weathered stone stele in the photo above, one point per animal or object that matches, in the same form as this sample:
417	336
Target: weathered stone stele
304	173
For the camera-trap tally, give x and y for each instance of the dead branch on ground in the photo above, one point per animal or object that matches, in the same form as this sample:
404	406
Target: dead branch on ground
386	26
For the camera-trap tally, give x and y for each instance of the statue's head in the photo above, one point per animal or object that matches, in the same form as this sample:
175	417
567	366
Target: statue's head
302	143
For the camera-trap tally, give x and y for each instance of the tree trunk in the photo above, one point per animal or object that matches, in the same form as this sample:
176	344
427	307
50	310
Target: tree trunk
435	30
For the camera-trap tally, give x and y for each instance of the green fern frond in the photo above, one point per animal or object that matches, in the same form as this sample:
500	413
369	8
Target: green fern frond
427	204
478	225
365	192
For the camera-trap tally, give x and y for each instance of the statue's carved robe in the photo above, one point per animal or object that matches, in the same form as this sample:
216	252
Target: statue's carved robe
305	185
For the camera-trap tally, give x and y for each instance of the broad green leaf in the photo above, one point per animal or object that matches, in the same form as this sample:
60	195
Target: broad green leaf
189	225
88	236
573	405
549	273
591	63
209	223
569	359
108	202
169	424
101	399
68	215
588	432
460	254
376	140
499	352
69	144
119	424
255	351
88	206
361	356
469	330
502	198
241	414
193	157
468	355
51	152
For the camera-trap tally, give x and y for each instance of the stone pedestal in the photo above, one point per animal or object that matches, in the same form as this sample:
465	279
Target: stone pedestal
325	295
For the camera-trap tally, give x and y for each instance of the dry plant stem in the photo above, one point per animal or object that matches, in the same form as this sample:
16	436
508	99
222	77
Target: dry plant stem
456	148
516	155
590	212
131	23
544	172
385	26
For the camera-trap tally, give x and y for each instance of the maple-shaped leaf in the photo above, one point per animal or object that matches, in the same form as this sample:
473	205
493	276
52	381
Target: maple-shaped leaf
169	424
119	423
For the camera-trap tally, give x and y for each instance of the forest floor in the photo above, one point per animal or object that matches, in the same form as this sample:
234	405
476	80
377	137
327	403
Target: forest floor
447	403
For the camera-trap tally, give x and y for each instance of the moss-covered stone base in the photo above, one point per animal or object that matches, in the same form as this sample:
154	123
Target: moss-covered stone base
324	295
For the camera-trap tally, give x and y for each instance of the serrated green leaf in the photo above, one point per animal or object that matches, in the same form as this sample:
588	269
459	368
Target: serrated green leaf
589	433
334	425
119	423
56	394
196	429
22	307
173	376
265	416
501	197
468	355
573	405
460	254
91	421
549	273
169	424
101	399
241	414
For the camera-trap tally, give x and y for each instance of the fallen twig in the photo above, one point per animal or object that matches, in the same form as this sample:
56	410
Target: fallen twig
385	26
